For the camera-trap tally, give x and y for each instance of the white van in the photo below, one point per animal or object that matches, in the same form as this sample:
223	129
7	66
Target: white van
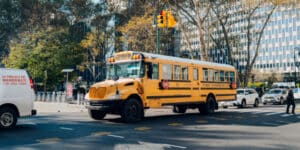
16	96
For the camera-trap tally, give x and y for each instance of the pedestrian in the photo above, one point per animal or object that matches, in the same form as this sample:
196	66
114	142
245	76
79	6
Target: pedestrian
290	101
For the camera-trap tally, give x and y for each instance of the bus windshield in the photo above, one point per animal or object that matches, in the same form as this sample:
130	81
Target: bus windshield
125	70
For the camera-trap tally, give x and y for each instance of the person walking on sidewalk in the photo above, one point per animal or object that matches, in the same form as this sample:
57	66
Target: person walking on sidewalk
290	101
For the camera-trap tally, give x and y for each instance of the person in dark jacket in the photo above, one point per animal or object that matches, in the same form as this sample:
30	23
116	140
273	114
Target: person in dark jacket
290	101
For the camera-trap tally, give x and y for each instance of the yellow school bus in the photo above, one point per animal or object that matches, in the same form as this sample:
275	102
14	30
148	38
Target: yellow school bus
136	81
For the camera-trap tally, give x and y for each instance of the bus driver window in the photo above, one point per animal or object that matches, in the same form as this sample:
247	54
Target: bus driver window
152	71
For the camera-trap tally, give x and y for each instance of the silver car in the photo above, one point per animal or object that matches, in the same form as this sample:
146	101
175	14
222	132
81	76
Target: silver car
275	96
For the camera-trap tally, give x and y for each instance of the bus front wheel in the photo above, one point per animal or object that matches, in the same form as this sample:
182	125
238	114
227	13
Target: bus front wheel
97	114
208	107
132	111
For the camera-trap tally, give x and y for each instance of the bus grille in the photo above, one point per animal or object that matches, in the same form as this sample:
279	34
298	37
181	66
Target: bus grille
97	92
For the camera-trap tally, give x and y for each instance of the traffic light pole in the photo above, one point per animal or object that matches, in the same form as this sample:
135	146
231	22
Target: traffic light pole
157	29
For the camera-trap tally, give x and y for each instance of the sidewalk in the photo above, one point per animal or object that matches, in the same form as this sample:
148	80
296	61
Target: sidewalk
48	107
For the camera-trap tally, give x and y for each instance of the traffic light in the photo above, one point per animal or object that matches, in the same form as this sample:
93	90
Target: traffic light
170	20
165	19
161	19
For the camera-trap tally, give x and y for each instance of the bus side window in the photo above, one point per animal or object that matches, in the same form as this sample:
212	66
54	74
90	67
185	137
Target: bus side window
167	71
184	73
222	76
205	74
195	74
211	75
152	71
216	75
149	70
176	72
226	76
231	78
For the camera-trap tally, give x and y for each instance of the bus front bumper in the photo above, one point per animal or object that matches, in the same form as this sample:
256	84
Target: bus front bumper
104	105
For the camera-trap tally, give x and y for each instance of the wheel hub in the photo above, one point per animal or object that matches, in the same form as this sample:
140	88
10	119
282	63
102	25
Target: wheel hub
6	119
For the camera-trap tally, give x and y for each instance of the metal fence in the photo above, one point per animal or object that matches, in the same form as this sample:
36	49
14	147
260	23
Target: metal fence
59	97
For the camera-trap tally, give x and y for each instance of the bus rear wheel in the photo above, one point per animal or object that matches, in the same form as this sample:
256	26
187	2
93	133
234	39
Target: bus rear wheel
208	107
179	109
97	114
132	111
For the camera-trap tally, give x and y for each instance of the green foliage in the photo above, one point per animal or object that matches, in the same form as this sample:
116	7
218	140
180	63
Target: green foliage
138	33
49	50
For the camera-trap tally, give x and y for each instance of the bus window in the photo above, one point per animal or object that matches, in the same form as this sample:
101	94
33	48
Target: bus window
222	76
231	78
167	71
226	76
195	74
216	76
176	72
184	73
205	74
152	71
211	75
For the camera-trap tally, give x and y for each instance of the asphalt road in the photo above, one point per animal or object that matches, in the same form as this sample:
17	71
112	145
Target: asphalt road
265	127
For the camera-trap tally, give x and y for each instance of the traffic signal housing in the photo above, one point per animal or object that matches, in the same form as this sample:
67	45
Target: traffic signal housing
165	19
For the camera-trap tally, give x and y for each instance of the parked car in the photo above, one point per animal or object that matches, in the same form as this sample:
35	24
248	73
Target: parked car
16	96
245	96
296	93
275	96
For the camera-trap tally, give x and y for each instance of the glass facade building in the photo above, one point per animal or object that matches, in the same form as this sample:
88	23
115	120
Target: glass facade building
279	48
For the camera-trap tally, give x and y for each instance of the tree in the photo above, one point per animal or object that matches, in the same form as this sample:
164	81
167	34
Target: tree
10	20
49	50
94	44
195	12
138	33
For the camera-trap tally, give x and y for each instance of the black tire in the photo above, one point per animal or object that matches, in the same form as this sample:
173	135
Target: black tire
97	114
225	107
208	107
132	111
256	103
179	109
281	102
265	103
8	118
243	105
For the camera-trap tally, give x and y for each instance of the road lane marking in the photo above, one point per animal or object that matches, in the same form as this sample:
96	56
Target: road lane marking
64	128
116	136
175	124
202	121
176	146
273	113
100	133
142	128
49	140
